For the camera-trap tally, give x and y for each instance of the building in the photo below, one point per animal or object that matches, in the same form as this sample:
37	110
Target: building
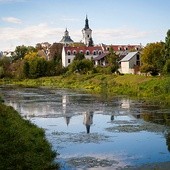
68	53
130	63
87	34
66	38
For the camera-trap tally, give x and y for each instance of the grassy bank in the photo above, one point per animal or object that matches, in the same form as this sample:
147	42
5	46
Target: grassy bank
153	88
22	144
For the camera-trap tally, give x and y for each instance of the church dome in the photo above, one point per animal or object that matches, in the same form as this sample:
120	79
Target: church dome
66	38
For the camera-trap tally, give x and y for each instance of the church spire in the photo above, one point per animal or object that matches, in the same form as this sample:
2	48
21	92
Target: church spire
86	23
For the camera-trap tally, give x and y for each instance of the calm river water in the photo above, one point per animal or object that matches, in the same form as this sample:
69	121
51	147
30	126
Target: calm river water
92	133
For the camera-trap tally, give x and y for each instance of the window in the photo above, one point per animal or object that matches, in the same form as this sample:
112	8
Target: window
100	52
88	36
74	52
69	52
87	52
120	48
94	52
81	51
69	61
138	57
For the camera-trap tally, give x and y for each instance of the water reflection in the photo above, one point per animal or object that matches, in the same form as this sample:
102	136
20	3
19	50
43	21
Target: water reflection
88	120
80	122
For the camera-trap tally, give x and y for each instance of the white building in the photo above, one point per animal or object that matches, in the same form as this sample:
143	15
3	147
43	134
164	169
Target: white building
68	53
87	34
130	63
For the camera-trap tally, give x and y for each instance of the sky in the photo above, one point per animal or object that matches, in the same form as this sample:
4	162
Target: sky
28	22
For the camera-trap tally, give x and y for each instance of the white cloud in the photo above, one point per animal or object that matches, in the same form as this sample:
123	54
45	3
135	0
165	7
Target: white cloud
12	20
11	37
119	35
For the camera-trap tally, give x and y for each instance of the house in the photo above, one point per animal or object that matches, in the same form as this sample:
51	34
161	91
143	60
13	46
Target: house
68	53
130	63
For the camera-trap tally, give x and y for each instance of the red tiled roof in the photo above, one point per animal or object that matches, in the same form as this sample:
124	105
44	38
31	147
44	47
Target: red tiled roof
120	47
83	49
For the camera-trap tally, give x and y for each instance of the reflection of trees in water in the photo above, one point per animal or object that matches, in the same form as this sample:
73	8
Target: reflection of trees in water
168	141
159	118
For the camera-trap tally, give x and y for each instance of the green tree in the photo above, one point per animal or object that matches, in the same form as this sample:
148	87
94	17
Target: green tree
112	60
166	69
37	65
167	45
79	56
26	69
5	64
152	58
21	51
81	66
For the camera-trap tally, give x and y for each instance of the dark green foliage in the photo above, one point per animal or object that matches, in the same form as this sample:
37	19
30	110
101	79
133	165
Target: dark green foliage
5	67
81	66
167	45
79	56
166	69
153	58
26	69
22	144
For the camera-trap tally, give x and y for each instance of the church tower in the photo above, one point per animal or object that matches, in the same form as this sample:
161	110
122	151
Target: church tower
87	34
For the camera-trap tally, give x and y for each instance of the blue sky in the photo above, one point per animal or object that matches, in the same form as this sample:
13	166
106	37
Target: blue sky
29	22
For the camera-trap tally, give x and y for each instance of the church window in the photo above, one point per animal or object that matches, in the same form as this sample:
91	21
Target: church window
81	51
137	57
69	61
69	52
88	36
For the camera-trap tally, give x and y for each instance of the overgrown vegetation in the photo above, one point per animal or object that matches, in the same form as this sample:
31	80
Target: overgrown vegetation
148	87
22	144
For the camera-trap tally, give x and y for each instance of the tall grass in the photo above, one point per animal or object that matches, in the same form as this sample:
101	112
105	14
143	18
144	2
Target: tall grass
22	144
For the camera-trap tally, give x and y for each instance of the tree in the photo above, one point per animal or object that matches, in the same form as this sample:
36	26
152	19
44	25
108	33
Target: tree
112	60
34	66
81	66
167	45
79	56
152	58
21	51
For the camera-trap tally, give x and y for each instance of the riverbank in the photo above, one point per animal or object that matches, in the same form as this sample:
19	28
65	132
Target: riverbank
22	144
152	88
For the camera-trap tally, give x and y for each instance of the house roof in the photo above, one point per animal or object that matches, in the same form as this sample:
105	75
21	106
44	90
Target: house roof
83	49
100	56
129	56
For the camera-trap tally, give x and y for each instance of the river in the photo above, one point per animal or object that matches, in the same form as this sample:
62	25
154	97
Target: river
90	132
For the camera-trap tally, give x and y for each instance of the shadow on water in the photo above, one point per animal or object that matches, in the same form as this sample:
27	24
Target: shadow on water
93	132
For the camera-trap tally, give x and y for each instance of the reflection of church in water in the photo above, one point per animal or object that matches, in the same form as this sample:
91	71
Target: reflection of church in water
88	120
87	116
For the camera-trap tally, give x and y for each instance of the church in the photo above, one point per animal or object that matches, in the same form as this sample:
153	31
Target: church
97	53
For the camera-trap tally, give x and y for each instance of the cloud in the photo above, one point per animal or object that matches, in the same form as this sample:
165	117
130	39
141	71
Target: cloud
12	20
11	37
119	35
